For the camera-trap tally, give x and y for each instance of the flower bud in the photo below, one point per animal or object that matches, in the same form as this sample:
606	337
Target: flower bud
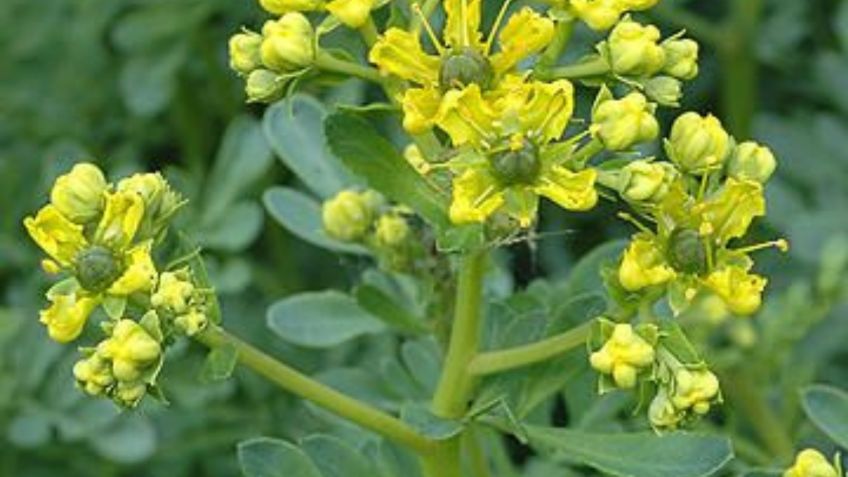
665	90
598	14
638	5
280	7
623	355
751	161
348	215
694	390
353	13
681	58
264	86
60	238
192	322
131	349
244	52
643	181
698	144
741	291
392	230
174	292
96	268
128	394
288	43
661	413
80	194
93	374
623	123
634	50
811	463
643	265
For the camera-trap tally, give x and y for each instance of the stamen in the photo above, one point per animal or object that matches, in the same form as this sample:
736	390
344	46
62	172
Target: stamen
463	19
780	244
432	34
484	196
491	39
639	225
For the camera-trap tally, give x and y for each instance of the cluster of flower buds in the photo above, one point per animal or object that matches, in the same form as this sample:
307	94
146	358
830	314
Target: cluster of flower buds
685	395
364	217
100	238
626	352
812	463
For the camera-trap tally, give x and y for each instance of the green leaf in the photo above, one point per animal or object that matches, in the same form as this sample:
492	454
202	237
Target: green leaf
335	458
638	454
219	364
235	230
382	306
827	407
301	215
30	429
148	80
366	153
295	129
586	274
130	439
265	457
321	319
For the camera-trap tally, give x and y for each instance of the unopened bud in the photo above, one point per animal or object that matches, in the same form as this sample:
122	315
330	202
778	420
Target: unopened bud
623	123
244	52
288	43
698	144
751	161
80	194
348	215
634	50
665	90
681	58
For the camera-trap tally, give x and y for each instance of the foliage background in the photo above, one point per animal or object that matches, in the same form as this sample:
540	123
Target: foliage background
144	84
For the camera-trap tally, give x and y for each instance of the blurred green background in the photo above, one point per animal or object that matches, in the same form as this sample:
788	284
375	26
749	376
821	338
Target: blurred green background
144	84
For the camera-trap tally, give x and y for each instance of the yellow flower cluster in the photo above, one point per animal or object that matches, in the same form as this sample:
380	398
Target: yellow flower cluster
812	463
100	237
178	298
623	356
690	393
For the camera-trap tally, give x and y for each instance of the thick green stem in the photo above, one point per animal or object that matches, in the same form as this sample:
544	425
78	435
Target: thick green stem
595	67
505	360
328	62
307	388
739	67
587	152
369	32
453	392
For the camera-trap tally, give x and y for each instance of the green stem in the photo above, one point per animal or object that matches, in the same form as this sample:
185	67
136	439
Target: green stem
739	66
369	32
307	388
587	152
595	67
454	389
699	27
328	62
505	360
562	36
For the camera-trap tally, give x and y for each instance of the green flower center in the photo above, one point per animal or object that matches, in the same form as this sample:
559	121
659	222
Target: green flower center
464	67
520	166
686	251
97	268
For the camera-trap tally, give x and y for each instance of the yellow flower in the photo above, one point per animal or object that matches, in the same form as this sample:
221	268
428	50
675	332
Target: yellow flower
694	390
751	161
465	61
741	291
160	201
128	394
287	43
67	315
60	238
131	349
348	215
634	50
121	219
244	51
644	265
644	181
811	463
139	274
698	144
622	123
281	7
353	13
79	194
174	291
623	355
94	374
681	58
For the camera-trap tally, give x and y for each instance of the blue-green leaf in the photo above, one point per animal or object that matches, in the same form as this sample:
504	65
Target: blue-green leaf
265	457
827	407
335	458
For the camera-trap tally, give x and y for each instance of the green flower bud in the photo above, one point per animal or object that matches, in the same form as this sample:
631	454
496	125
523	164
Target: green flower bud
698	144
517	166
634	50
643	181
681	58
192	322
392	230
264	86
348	215
97	268
686	251
244	52
464	67
288	43
665	90
79	194
623	123
751	161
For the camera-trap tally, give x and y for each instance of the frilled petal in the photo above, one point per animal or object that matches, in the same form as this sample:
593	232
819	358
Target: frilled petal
571	190
140	274
353	13
643	265
66	316
466	116
476	196
548	109
462	27
730	212
420	109
740	290
280	7
399	52
522	204
121	219
526	33
60	238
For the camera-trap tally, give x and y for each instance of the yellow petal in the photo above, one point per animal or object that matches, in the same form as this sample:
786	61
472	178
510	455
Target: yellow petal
60	238
466	116
548	109
123	214
398	52
571	190
353	13
462	27
476	196
140	274
420	108
740	290
525	34
280	7
643	265
730	212
66	316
